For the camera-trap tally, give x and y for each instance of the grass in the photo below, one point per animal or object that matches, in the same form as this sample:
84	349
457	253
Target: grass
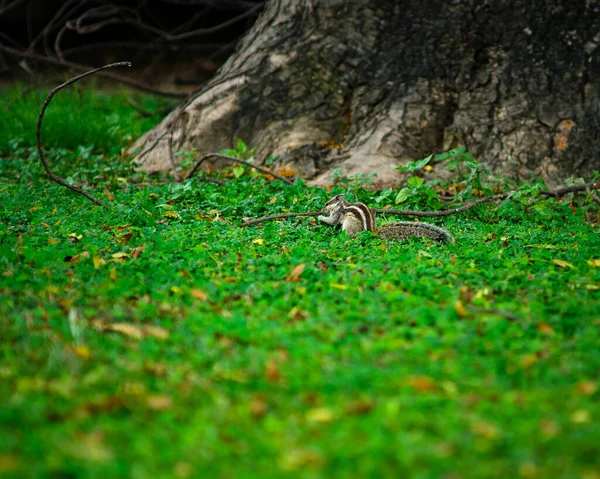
159	339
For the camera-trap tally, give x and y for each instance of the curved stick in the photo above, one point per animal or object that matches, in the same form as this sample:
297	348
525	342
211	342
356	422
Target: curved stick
237	160
52	176
452	211
279	217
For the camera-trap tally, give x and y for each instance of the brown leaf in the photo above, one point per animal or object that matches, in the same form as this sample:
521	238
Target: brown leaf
109	195
126	329
545	328
159	402
157	332
587	388
272	371
484	429
138	251
258	406
421	383
273	200
198	294
295	273
78	257
126	237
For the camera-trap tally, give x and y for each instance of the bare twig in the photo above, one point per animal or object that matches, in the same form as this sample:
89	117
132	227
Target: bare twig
449	212
279	217
558	192
52	176
236	160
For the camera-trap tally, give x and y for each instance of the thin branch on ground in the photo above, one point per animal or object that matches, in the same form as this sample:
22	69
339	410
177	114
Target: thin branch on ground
52	176
236	160
278	217
558	192
502	196
449	212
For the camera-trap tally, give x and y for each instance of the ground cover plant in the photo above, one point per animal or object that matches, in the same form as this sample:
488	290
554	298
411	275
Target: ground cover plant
161	339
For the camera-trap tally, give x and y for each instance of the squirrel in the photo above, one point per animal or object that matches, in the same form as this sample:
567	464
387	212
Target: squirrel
355	217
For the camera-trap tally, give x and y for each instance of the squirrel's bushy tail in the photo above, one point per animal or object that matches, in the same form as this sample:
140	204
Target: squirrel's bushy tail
408	229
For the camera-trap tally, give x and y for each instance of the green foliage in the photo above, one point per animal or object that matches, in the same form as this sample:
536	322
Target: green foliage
160	339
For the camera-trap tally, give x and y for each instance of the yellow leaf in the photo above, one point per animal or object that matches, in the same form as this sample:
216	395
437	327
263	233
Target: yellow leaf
273	200
528	360
594	263
113	273
581	416
545	328
295	273
53	241
98	261
82	351
126	329
176	289
562	264
171	214
109	195
155	331
320	415
159	402
484	429
120	255
460	309
338	286
74	237
258	241
198	294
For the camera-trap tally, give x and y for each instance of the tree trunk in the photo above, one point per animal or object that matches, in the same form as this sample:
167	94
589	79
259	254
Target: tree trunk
368	85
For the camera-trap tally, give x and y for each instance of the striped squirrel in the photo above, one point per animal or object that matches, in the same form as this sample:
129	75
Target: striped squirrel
355	217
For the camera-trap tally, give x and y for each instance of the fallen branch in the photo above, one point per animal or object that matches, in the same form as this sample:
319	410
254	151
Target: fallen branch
278	217
452	211
559	192
554	193
237	160
52	176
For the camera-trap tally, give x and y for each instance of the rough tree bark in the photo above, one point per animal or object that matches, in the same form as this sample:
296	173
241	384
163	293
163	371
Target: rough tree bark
367	85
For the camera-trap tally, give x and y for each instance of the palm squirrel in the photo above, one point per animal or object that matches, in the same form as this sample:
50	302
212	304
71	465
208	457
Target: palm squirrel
355	217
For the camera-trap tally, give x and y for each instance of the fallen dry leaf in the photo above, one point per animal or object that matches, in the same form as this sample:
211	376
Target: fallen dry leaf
198	294
545	328
272	371
320	415
295	273
126	329
420	383
159	402
138	251
109	195
562	264
156	332
594	263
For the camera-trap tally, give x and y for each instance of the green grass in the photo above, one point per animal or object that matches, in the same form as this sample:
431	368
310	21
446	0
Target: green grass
159	339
